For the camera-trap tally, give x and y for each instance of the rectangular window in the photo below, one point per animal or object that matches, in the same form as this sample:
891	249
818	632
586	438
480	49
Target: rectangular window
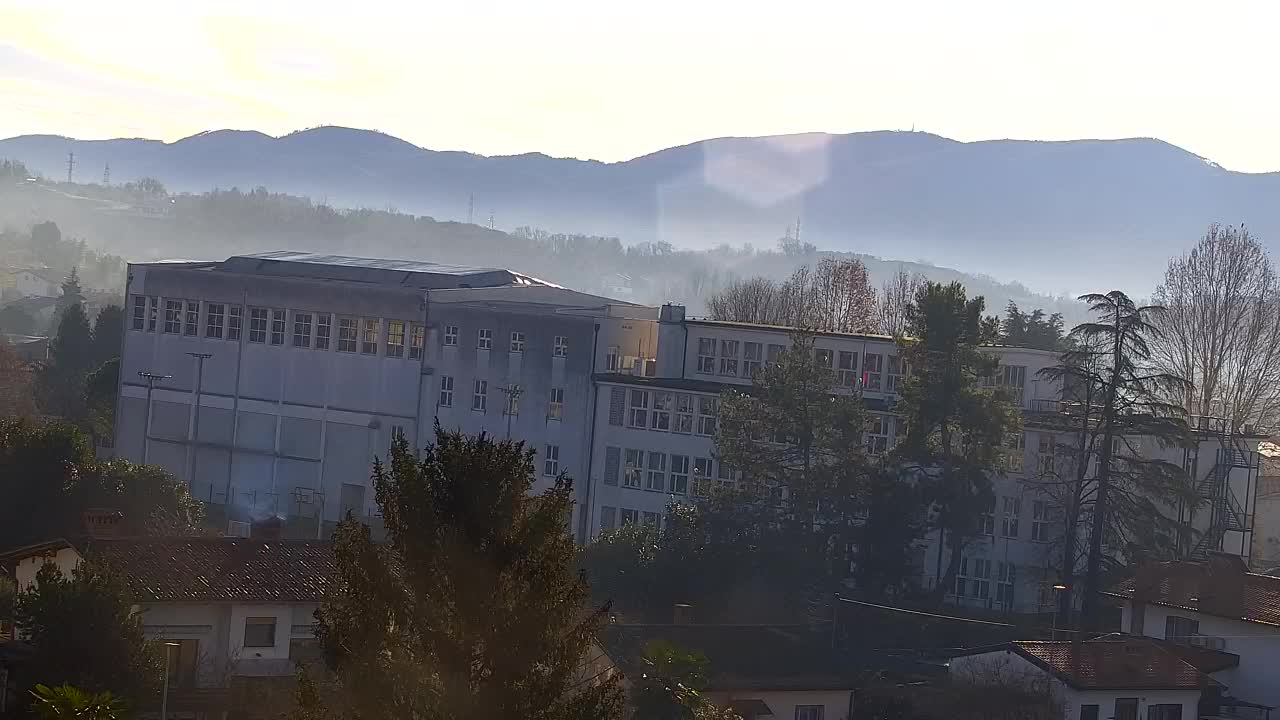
684	413
191	324
1012	378
662	404
728	357
1126	709
1039	521
657	477
259	632
823	357
324	328
981	578
1006	576
446	391
898	369
1009	520
1045	448
962	578
235	323
847	370
369	341
257	325
277	327
608	516
301	329
484	339
638	409
632	467
702	476
774	352
450	335
630	517
395	338
517	342
173	316
139	312
1089	712
708	408
877	435
872	367
680	474
809	712
611	358
987	521
726	475
561	347
417	340
1165	711
1180	629
752	356
512	406
706	355
551	463
480	396
153	311
650	518
612	459
347	333
214	319
555	410
1015	450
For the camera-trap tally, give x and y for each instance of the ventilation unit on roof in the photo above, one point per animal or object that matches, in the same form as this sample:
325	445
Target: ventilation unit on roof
235	528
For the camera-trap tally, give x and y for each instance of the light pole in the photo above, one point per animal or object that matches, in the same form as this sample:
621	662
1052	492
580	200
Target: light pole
1057	594
164	698
194	441
152	379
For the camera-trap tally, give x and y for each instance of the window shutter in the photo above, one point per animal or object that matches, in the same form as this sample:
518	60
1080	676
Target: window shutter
612	458
617	399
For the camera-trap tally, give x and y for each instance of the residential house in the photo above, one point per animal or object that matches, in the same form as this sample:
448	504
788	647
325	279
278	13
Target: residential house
31	282
1216	604
1109	678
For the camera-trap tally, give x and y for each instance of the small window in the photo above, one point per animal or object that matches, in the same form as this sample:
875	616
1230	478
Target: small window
417	340
684	414
191	324
260	632
324	328
611	358
512	406
752	355
395	338
277	327
708	408
446	391
484	339
1126	709
657	477
451	335
139	312
701	476
235	323
1180	629
630	517
680	474
1089	712
824	357
214	319
638	409
848	369
561	347
347	332
369	341
1164	711
650	519
1012	510
301	329
257	324
551	462
480	396
1039	521
153	311
555	410
872	369
706	355
632	467
608	517
173	316
517	342
809	712
728	357
774	353
662	404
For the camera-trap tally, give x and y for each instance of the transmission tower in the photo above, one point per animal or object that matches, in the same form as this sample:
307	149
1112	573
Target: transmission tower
71	165
106	174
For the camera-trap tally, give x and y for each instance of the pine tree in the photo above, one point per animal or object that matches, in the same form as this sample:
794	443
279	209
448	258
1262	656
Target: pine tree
108	334
471	610
62	380
71	293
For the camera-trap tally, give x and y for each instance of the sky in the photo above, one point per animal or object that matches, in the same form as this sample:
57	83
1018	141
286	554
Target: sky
611	81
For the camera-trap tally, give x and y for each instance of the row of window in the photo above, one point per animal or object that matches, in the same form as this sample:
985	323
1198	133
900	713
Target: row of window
973	580
277	326
512	393
1042	515
735	358
484	341
612	518
659	472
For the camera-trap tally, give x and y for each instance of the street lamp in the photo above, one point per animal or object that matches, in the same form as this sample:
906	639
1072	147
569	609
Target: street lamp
151	379
1057	590
164	699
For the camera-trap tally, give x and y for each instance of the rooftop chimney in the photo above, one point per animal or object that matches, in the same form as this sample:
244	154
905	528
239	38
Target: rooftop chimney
102	522
671	313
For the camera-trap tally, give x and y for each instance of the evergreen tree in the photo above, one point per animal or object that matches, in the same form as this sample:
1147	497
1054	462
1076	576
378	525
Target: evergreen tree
895	520
85	633
71	293
471	609
15	320
63	378
108	334
954	427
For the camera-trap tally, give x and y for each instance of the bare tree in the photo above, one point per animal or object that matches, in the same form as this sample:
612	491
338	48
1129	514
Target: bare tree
836	295
844	300
754	300
1221	328
895	295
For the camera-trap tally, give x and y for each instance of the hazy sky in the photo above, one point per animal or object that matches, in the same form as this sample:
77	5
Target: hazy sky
614	80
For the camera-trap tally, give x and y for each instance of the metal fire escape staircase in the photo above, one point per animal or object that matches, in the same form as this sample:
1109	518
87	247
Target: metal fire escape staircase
1227	513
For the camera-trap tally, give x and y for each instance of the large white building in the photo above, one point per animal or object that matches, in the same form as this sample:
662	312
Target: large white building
311	364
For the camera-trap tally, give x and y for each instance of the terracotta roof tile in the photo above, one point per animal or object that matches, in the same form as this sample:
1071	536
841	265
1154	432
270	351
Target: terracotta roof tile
1114	663
176	569
1197	586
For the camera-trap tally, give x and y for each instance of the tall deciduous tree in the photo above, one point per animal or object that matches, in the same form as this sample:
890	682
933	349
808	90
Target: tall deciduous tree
1220	328
896	295
753	300
834	295
85	633
471	609
954	427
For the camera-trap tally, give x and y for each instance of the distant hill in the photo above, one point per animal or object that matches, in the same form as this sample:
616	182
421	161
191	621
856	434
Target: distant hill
1059	216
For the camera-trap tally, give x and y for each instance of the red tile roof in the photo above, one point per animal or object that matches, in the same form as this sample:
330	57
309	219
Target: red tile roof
159	569
1113	663
1199	587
